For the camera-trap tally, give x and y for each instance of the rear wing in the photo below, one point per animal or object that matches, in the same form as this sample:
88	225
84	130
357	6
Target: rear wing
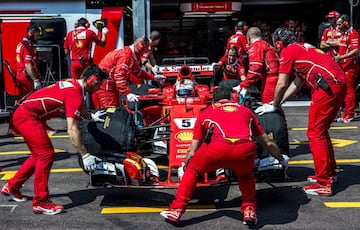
202	70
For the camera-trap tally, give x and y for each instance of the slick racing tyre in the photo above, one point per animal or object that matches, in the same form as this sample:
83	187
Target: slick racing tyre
116	134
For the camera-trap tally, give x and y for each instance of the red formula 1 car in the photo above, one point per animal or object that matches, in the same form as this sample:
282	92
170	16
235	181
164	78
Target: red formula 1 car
160	123
133	137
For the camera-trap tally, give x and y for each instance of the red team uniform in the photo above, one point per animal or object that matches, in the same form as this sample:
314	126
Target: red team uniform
29	119
134	80
233	70
79	43
229	147
348	42
25	53
239	41
263	66
307	61
331	33
120	64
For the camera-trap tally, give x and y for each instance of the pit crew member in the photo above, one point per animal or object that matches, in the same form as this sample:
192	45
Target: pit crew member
216	143
120	64
29	121
231	68
78	44
326	80
348	59
148	59
263	66
331	35
239	41
27	75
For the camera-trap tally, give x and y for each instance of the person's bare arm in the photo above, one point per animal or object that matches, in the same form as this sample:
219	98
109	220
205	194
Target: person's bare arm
74	135
103	39
294	87
270	146
329	43
353	52
30	71
85	114
66	51
280	89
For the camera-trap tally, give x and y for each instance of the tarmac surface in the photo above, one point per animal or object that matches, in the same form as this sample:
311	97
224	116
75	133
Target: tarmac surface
281	205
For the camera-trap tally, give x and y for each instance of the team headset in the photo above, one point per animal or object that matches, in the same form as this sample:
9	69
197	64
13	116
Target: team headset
82	22
241	25
31	31
345	21
282	38
95	75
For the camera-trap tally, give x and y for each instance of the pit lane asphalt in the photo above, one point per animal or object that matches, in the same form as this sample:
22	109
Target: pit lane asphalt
280	205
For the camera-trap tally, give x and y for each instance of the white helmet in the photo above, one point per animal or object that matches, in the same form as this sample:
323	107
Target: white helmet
184	87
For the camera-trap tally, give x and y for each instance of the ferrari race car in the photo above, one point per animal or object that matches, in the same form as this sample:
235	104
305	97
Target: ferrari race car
135	138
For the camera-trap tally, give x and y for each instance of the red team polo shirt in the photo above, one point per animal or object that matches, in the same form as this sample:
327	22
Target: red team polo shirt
263	62
25	53
225	114
121	64
239	41
348	42
54	100
306	60
331	33
79	42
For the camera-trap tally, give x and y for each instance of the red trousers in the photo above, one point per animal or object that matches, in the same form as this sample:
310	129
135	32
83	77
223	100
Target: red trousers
107	95
76	68
268	89
42	154
322	112
350	96
218	154
25	85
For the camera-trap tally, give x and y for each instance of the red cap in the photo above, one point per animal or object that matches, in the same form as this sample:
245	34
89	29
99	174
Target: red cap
332	14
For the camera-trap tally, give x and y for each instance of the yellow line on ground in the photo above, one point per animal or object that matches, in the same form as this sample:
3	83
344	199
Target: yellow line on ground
136	209
9	174
342	204
67	170
305	162
336	142
26	152
298	142
301	162
332	128
49	135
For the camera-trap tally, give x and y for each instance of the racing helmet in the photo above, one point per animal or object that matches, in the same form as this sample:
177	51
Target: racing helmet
184	87
283	37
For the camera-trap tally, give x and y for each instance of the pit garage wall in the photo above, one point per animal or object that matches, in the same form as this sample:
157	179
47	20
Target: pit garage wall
14	26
